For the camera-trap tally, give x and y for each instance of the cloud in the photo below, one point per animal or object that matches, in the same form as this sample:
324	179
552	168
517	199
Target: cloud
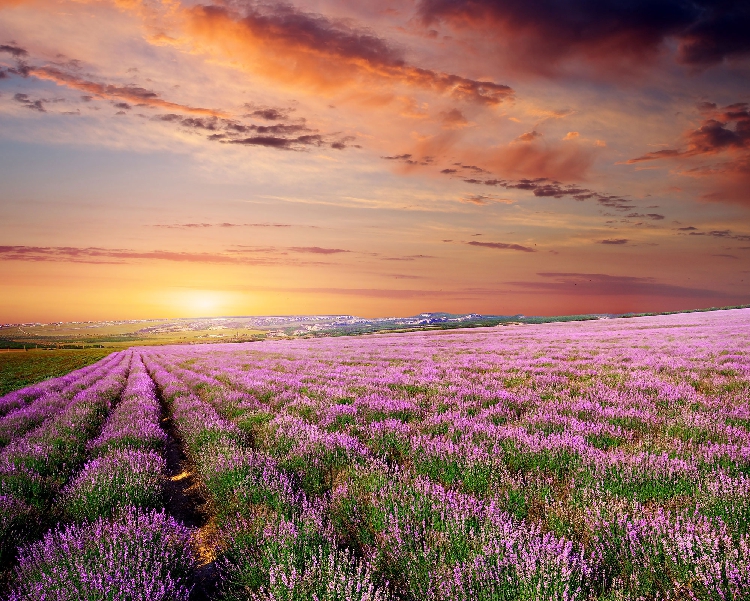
269	113
615	241
35	105
529	136
317	250
96	255
407	159
485	199
470	168
295	47
723	234
652	216
477	199
453	119
13	50
279	142
599	284
279	135
502	246
726	129
546	187
408	258
189	226
547	35
723	131
530	157
131	94
729	181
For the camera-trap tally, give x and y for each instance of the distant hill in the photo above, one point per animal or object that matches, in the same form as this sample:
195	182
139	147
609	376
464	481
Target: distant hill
120	334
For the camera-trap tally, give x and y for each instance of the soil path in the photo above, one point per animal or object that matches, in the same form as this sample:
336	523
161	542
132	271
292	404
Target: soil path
185	502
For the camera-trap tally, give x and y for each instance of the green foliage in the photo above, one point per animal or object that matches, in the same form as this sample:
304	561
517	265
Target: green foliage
693	434
263	543
19	369
391	448
604	441
560	461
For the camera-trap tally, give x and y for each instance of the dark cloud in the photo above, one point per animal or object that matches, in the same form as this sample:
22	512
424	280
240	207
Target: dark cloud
21	69
123	105
725	129
13	50
408	159
544	187
268	113
723	234
599	284
345	142
34	105
188	226
616	241
282	136
408	258
724	256
652	216
545	33
317	250
472	168
280	143
501	246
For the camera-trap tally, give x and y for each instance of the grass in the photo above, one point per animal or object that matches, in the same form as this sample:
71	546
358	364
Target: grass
19	368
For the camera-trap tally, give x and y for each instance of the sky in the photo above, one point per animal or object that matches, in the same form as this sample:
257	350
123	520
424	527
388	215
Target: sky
175	158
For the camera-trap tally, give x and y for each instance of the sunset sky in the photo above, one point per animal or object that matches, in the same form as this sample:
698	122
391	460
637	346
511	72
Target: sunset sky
176	158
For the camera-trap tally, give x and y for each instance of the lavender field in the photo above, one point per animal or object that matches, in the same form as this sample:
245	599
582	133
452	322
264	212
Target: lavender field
604	460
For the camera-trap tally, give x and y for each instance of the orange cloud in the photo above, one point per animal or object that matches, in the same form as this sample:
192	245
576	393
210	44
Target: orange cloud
723	131
563	162
297	48
726	129
132	94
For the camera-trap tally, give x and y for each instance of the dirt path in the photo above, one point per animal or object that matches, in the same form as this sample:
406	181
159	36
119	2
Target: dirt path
185	502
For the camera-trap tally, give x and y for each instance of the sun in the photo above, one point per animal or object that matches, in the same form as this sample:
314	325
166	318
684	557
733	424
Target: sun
202	303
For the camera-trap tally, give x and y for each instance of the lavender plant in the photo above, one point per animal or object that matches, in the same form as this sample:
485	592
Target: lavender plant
137	556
